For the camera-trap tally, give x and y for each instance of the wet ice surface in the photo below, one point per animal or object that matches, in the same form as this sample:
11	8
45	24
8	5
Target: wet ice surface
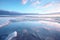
30	29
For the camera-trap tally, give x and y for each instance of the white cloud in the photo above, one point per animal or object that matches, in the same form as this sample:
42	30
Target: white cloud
35	3
53	8
24	1
39	7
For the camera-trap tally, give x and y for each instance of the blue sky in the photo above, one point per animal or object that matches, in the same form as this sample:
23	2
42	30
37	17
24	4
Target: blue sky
31	6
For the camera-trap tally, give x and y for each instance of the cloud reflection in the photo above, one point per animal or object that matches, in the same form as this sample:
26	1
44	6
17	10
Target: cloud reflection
4	24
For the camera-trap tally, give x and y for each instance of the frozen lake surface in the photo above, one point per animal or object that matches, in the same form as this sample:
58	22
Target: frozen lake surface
30	28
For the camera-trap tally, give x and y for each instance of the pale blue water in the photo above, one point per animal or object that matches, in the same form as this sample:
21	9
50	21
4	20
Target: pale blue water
31	27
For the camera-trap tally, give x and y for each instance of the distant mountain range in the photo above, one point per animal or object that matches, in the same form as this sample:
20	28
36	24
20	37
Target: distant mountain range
3	12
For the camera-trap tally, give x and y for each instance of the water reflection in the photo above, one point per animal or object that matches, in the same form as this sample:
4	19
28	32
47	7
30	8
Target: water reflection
29	29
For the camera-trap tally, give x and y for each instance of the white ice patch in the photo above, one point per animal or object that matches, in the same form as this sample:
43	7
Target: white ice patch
12	35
